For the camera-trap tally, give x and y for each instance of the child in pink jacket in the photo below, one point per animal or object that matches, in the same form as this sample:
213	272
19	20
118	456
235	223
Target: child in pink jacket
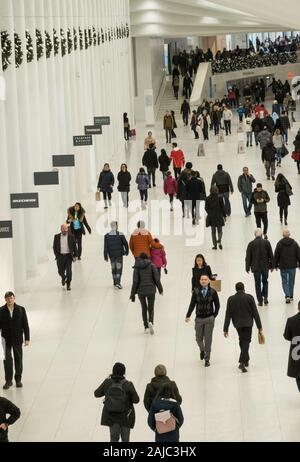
159	258
170	187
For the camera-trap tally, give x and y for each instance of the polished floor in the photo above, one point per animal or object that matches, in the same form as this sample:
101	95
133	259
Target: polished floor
77	336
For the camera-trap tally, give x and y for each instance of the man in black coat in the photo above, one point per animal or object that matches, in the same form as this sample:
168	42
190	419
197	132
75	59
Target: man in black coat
259	258
121	393
196	190
7	408
65	251
115	247
14	329
242	311
287	259
150	161
292	334
185	111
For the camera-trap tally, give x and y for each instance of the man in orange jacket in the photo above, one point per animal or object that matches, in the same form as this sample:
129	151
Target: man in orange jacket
177	156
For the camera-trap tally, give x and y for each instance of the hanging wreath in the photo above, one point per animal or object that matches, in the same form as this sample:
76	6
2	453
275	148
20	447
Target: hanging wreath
63	42
86	39
39	44
49	45
6	48
80	38
18	50
29	47
70	41
90	35
94	36
127	31
99	37
55	42
75	39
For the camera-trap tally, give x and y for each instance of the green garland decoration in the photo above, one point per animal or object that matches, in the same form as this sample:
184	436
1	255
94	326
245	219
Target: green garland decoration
63	42
80	38
94	36
75	39
98	38
29	47
56	42
6	47
39	44
86	39
49	45
18	50
102	35
70	41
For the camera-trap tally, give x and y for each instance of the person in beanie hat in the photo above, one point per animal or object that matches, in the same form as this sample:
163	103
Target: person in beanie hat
160	378
118	412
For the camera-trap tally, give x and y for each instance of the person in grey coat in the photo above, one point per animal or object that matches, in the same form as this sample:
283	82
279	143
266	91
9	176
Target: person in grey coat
145	281
222	180
245	183
242	311
292	334
115	247
264	137
287	259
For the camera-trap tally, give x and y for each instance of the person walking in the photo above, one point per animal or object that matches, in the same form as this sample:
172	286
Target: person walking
118	412
187	86
152	388
115	247
227	117
286	126
159	257
164	163
65	251
168	125
260	199
216	119
175	85
126	126
222	180
194	124
278	145
292	333
105	184
264	137
149	140
241	113
296	153
124	179
14	329
165	403
141	241
177	157
248	129
204	122
242	311
78	223
142	180
170	188
245	183
150	161
259	259
195	188
287	259
185	110
182	193
216	216
257	126
174	124
284	190
268	157
206	301
200	268
145	281
7	408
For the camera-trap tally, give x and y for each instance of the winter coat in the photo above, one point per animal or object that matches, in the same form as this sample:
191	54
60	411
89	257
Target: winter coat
264	137
196	189
127	418
177	156
154	386
183	179
287	254
185	108
283	197
14	329
7	408
170	185
227	115
150	159
164	163
142	180
106	181
285	121
82	220
149	140
223	181
260	207
214	207
259	255
175	409
141	241
257	125
248	124
198	272
158	257
276	108
124	179
292	330
268	153
278	141
245	184
115	245
145	279
205	306
168	122
242	311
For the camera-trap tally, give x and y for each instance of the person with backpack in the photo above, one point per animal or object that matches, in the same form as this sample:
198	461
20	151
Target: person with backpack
165	416
159	379
170	188
118	412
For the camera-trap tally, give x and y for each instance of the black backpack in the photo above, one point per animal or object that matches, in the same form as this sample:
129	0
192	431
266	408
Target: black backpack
116	398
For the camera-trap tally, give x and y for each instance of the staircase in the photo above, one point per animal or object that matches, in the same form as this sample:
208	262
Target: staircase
169	102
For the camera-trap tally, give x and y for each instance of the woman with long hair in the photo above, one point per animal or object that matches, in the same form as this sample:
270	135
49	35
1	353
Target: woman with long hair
78	223
200	268
284	190
124	179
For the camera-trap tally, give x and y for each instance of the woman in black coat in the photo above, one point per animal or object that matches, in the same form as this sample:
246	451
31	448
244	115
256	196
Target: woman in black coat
164	162
174	124
124	179
78	223
105	184
119	423
284	190
126	126
201	268
216	216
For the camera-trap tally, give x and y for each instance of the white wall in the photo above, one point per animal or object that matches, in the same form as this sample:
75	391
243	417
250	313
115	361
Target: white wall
157	65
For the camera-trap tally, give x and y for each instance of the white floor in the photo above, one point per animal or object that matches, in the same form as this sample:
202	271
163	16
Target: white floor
77	336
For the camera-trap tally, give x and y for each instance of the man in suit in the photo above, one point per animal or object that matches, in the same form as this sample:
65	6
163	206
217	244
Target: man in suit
65	250
242	311
14	327
292	334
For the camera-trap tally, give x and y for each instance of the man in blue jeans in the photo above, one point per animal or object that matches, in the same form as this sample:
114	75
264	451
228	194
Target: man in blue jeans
287	259
115	247
245	183
259	258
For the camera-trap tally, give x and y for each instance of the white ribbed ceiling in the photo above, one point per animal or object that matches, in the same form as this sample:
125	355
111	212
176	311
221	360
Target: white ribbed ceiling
182	18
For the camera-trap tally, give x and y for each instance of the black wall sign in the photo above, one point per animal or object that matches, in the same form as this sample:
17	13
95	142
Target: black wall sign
6	231
45	178
63	161
85	140
93	129
102	120
24	201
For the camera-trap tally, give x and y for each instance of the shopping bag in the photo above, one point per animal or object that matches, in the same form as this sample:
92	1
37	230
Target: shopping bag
97	196
261	338
216	284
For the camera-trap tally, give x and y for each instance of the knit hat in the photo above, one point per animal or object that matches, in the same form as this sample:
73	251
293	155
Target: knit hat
160	371
189	165
119	369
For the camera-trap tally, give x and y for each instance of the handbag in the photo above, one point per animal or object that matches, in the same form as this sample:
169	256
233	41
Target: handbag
296	156
216	284
284	151
207	222
133	132
97	196
261	338
165	422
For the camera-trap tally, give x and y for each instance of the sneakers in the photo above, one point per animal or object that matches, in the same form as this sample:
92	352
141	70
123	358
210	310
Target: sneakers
287	300
151	330
7	385
146	331
266	302
118	286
